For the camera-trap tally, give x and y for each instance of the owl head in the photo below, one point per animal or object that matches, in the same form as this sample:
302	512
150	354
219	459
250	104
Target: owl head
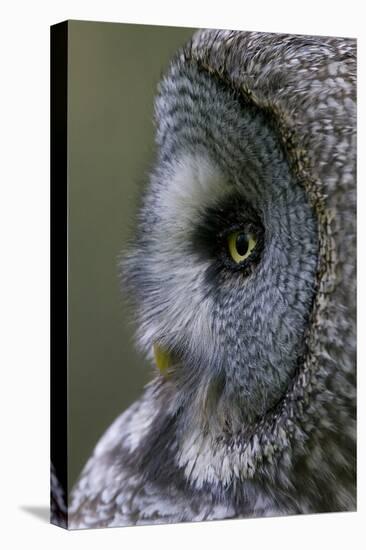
223	267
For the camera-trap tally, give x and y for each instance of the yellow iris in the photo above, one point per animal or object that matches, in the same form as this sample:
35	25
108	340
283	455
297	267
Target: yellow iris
241	245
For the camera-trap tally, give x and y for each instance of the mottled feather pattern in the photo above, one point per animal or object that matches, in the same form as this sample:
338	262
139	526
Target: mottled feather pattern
257	414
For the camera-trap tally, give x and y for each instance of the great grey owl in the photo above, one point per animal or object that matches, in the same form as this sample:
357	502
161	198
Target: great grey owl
242	274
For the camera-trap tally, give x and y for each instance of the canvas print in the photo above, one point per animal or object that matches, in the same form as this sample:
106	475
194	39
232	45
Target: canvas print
203	196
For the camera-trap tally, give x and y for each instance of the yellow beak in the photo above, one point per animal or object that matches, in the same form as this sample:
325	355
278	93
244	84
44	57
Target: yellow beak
162	358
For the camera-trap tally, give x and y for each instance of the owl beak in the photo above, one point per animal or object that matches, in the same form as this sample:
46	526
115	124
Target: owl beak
162	359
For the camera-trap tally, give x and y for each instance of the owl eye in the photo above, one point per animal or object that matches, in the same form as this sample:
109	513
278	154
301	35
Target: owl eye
241	245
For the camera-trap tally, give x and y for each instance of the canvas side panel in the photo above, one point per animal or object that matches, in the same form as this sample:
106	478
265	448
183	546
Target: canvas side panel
59	293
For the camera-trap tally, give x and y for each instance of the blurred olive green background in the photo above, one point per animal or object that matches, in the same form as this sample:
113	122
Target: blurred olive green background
113	72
